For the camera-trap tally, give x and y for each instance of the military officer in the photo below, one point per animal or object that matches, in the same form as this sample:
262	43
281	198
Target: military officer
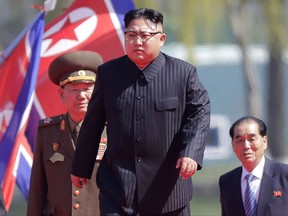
51	191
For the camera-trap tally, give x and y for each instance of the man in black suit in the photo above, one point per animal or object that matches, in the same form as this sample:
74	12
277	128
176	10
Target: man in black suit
269	182
157	114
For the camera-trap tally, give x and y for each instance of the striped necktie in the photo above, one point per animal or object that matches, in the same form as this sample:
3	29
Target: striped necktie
250	203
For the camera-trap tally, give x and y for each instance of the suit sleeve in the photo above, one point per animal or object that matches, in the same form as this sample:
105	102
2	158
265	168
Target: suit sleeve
196	120
38	183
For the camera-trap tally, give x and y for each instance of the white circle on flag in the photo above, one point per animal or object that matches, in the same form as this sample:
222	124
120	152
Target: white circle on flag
76	27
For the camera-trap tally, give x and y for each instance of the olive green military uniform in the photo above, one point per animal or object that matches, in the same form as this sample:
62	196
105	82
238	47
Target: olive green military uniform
51	191
51	174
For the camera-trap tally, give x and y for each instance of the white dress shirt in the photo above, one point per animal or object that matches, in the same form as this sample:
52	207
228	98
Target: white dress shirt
257	172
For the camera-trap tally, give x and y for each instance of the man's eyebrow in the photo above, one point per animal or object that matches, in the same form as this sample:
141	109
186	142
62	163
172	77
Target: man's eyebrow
237	136
248	135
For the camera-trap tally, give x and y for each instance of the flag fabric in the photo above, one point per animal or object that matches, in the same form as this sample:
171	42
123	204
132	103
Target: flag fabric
95	25
18	71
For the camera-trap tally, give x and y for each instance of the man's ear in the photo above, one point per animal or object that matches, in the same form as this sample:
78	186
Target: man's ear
61	92
265	142
162	39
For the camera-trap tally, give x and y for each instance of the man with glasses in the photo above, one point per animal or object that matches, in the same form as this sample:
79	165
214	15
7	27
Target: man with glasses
157	114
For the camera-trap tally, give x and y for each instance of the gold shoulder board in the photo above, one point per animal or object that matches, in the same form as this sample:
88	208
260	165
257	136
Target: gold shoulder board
50	121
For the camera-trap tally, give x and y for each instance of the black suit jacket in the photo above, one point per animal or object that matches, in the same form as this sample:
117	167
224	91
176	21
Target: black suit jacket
153	118
273	196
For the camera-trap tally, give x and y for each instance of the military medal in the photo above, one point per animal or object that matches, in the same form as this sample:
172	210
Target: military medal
55	146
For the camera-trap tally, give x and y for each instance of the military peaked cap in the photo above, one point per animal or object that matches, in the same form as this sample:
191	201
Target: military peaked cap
77	66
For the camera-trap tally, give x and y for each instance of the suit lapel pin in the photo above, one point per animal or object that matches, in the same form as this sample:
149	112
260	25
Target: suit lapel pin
277	193
55	146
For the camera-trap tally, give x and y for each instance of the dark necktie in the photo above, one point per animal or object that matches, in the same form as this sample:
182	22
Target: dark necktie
75	133
250	199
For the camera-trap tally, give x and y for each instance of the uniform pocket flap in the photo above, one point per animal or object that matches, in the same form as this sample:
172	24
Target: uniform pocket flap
167	104
56	157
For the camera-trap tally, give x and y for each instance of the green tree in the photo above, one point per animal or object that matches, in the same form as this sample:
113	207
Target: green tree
274	13
240	16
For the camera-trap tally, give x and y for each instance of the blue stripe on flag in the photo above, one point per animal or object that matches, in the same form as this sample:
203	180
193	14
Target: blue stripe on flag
121	7
23	176
32	125
25	96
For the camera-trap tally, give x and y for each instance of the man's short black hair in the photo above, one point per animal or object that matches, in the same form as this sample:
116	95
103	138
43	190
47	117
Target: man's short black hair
143	13
261	125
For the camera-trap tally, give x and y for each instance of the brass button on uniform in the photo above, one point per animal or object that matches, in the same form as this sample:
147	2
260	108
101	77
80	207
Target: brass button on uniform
76	206
76	192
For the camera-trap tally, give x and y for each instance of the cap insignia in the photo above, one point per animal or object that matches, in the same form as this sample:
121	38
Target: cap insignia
81	73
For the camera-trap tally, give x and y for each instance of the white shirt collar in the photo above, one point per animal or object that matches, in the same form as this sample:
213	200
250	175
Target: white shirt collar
257	171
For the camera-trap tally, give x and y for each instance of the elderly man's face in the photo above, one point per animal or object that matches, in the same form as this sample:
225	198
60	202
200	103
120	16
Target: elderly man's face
248	144
76	97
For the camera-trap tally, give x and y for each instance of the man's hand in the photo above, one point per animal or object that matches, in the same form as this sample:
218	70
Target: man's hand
187	167
78	181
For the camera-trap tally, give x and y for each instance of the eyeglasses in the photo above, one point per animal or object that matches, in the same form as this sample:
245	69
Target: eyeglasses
144	36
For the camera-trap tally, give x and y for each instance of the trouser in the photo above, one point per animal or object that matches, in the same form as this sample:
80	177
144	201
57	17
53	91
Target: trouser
109	208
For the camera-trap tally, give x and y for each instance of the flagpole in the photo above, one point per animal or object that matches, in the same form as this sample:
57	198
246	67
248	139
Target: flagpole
49	5
6	53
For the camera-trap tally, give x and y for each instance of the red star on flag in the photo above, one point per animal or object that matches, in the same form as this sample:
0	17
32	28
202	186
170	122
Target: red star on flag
66	32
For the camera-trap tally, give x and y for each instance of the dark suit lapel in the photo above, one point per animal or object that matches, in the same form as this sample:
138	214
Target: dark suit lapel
237	197
266	189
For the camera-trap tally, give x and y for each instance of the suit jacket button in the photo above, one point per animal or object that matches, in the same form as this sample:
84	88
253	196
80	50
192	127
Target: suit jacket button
76	206
76	192
139	117
139	159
